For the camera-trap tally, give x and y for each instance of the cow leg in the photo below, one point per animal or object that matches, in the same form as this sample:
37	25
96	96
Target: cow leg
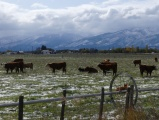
64	70
141	72
104	72
21	69
147	73
17	70
53	70
11	70
150	73
113	72
7	70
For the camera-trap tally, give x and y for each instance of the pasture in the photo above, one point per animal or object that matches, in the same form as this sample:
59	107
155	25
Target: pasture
41	83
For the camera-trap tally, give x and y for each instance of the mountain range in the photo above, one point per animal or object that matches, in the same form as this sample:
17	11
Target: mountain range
136	37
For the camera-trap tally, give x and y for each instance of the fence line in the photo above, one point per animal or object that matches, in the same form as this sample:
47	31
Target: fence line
59	99
129	100
72	97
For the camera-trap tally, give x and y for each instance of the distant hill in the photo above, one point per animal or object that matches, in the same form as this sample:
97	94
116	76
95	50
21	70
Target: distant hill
136	37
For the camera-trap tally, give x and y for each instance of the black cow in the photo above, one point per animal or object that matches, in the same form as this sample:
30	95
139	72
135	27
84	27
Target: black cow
91	70
88	69
18	60
14	65
156	59
137	62
146	68
82	69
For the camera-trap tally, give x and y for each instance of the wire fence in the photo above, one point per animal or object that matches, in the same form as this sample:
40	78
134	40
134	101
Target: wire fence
89	106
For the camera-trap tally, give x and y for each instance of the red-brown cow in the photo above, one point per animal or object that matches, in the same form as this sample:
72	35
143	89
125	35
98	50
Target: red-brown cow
122	87
57	66
14	65
137	62
108	66
146	68
28	65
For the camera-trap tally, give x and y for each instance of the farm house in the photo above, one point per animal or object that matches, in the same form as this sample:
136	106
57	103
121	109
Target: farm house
46	52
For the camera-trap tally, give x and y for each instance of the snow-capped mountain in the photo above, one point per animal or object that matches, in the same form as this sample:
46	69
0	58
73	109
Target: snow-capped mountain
31	43
136	37
124	38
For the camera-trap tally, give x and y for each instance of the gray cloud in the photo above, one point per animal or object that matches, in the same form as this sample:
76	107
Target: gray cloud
153	11
85	19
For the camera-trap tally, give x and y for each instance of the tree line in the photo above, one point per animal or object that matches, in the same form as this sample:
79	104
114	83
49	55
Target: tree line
94	50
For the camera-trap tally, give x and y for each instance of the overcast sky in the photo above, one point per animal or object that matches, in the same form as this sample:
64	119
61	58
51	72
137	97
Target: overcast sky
34	17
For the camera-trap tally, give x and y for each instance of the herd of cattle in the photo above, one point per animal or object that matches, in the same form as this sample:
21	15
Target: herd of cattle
19	65
106	65
145	68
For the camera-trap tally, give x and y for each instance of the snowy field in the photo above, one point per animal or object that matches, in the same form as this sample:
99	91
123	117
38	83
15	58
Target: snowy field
41	83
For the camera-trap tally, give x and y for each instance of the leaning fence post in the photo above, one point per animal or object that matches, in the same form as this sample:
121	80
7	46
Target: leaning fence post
63	105
101	104
20	117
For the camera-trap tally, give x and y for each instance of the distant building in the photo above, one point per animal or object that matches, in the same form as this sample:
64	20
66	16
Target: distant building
20	52
46	52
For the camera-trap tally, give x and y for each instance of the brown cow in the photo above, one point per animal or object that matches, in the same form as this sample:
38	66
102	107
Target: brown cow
14	65
28	65
107	67
146	68
137	62
57	66
91	70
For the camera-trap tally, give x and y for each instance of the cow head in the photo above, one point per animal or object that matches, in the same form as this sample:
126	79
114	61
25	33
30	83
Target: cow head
154	67
47	65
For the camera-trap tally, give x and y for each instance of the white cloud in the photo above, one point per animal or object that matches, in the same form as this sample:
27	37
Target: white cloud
111	15
39	6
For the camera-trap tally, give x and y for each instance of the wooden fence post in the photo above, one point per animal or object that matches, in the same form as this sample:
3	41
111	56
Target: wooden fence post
127	100
20	115
101	104
63	105
131	96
